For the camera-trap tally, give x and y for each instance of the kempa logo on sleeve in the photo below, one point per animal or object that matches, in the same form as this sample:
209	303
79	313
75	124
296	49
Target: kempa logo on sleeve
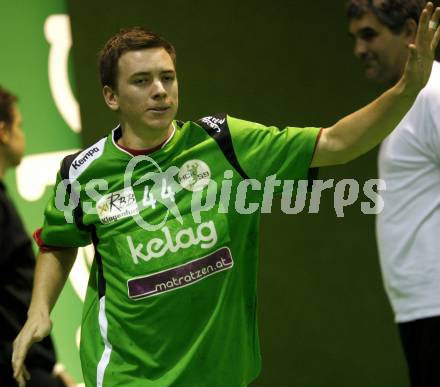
78	162
117	205
194	175
85	158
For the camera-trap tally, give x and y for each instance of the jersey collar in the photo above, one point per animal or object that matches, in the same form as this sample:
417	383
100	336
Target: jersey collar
117	134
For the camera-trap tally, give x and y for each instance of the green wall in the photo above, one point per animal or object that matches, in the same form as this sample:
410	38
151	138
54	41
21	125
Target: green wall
31	33
324	316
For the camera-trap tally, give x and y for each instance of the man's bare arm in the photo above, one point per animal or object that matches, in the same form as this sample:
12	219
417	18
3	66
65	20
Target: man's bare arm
51	272
364	129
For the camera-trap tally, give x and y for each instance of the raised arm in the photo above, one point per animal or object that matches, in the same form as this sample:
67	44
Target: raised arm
362	130
51	272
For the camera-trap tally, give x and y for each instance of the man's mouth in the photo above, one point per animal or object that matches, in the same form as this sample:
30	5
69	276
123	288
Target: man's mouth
369	62
159	109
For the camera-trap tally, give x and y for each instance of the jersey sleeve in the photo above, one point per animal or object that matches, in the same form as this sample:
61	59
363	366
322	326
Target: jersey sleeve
62	227
264	151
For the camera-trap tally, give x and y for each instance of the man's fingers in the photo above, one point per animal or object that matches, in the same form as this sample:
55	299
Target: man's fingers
17	358
21	381
436	39
33	330
425	17
21	346
26	373
30	334
22	377
423	28
21	374
434	20
436	16
434	28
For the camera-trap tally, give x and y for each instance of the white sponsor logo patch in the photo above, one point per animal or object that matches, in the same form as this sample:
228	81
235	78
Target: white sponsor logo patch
117	205
194	175
85	158
205	236
214	122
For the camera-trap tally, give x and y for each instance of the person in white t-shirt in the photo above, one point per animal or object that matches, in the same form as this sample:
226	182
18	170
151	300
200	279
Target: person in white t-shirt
408	229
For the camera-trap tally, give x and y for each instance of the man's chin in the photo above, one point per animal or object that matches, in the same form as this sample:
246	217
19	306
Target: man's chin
373	74
159	124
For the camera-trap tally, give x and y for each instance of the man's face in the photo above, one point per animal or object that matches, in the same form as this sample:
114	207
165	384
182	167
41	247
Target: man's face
147	92
382	52
12	139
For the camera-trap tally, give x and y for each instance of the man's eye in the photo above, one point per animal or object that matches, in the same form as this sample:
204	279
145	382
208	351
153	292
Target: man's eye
168	78
140	81
368	35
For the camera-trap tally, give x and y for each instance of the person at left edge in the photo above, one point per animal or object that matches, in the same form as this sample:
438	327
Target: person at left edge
17	264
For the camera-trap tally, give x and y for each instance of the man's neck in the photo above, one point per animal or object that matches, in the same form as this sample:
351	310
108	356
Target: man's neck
143	140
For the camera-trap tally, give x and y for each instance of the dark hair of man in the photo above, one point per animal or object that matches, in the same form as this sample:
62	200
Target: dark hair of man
7	101
391	13
135	38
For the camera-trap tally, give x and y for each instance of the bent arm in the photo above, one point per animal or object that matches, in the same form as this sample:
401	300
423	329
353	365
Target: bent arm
51	272
362	130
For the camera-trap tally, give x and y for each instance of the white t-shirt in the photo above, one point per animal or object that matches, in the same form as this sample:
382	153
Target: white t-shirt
408	229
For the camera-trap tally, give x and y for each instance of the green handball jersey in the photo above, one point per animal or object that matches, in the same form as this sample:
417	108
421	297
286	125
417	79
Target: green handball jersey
171	299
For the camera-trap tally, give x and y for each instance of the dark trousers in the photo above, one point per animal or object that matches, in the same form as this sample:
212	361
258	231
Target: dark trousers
39	378
421	344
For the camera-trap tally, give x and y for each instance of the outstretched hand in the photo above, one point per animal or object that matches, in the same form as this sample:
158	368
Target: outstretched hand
422	51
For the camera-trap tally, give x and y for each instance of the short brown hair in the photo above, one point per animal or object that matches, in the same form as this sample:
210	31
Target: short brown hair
135	38
7	100
391	13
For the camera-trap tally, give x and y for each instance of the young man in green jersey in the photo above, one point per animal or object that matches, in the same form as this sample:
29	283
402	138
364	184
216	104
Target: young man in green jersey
172	290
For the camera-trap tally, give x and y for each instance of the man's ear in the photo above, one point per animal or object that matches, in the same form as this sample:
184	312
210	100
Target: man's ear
410	30
111	98
4	132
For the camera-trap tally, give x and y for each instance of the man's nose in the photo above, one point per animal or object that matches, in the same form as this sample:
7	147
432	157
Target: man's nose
360	48
159	89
